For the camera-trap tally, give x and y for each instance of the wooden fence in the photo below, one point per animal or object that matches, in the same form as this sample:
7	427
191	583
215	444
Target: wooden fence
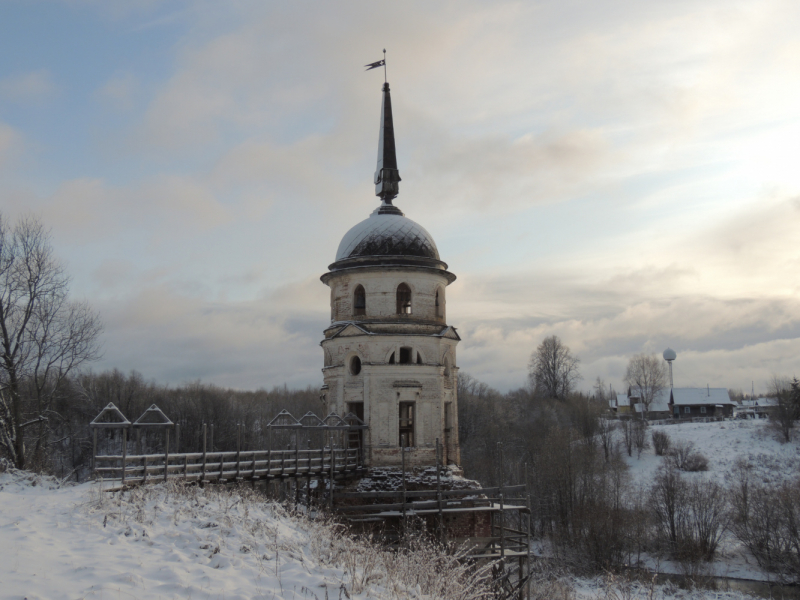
221	467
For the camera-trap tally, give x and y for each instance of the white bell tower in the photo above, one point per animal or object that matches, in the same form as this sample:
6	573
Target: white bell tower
390	357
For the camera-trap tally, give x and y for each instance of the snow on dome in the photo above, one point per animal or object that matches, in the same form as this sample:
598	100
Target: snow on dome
387	235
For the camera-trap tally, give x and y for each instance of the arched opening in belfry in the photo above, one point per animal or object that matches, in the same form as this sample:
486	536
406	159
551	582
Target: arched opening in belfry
359	302
403	299
439	304
419	358
405	355
391	359
355	365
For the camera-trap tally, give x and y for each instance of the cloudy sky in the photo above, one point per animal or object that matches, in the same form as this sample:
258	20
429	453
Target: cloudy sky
623	174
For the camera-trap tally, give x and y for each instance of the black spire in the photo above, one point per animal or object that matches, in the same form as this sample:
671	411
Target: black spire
387	177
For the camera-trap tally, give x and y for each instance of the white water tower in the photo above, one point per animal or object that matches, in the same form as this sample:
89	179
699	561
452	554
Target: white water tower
669	356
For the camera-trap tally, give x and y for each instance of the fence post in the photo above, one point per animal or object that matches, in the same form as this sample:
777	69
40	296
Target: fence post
166	454
124	452
502	511
439	492
403	462
238	450
94	455
333	469
144	463
203	476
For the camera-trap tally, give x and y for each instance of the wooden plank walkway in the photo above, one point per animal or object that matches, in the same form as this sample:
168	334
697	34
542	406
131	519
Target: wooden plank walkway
246	465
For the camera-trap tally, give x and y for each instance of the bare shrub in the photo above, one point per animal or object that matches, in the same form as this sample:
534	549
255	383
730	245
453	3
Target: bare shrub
690	517
661	442
707	519
684	457
606	432
627	435
765	519
640	437
695	462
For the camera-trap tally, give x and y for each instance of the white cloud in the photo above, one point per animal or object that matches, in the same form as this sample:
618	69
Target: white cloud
119	92
28	87
619	175
10	143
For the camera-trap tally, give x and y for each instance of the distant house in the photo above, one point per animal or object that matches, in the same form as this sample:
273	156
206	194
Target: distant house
623	404
759	408
686	403
659	408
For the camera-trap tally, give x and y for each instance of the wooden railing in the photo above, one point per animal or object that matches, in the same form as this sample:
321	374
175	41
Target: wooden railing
228	466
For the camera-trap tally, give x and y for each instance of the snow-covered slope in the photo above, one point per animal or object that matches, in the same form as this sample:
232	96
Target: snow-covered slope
723	443
186	542
176	542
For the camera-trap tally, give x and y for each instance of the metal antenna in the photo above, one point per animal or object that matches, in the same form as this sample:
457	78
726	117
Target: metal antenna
384	66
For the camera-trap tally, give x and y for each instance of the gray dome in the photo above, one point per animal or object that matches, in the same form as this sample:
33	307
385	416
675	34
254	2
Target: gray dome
387	235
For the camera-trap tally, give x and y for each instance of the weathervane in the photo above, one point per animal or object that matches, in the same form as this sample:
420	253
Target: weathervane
387	177
379	63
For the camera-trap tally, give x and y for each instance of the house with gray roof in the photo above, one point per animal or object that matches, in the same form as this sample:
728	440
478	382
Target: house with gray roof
686	403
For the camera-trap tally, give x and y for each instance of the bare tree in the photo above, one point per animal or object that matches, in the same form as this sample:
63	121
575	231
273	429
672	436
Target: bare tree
787	410
640	437
43	336
646	375
552	369
607	437
600	393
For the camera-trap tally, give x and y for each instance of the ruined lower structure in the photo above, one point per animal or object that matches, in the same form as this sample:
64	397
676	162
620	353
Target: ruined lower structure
390	357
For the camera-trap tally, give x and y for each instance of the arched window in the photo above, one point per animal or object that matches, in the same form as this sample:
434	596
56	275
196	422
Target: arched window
355	365
359	302
391	359
403	299
419	358
439	304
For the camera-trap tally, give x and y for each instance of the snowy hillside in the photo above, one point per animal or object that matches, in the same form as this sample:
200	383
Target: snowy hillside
174	542
723	443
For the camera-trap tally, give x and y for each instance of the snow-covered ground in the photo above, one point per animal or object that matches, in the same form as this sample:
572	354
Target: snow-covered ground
185	542
170	541
723	443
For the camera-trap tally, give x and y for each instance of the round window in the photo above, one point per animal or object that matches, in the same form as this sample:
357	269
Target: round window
355	365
